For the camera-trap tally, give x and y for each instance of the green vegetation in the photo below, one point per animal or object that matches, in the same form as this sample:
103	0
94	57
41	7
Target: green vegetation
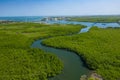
96	19
99	48
38	31
18	61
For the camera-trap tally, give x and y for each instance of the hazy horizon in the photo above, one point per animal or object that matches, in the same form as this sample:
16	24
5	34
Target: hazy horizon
59	7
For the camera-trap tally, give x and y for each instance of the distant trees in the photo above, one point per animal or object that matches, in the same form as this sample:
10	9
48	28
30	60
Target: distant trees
96	19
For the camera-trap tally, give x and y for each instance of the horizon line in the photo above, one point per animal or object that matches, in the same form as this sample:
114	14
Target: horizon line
62	15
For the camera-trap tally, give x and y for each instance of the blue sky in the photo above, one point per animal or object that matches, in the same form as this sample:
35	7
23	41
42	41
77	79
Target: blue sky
58	7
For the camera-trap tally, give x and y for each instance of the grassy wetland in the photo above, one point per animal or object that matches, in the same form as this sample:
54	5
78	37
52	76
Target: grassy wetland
18	61
100	19
99	48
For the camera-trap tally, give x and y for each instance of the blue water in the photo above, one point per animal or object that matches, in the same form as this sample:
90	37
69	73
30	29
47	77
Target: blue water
23	18
37	19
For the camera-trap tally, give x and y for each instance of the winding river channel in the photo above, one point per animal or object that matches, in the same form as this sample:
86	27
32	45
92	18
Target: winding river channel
74	67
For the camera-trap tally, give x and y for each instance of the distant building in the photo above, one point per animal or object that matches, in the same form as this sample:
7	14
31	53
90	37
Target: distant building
56	19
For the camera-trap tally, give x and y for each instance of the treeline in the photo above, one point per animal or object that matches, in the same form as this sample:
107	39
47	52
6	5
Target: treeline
101	19
99	48
18	61
4	22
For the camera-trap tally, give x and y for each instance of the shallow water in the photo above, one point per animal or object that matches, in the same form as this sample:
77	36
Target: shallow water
87	24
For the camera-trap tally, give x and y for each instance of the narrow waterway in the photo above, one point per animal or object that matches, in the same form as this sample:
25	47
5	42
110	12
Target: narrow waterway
74	67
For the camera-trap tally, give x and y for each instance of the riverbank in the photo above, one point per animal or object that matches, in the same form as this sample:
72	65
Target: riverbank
92	76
